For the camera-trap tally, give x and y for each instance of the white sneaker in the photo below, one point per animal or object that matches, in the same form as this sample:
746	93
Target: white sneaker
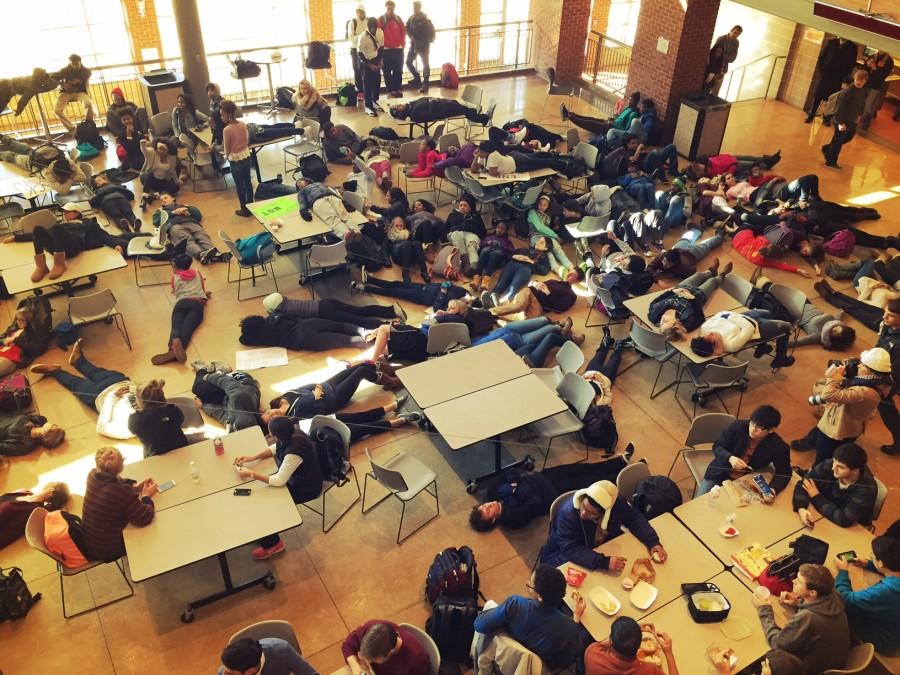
370	112
74	153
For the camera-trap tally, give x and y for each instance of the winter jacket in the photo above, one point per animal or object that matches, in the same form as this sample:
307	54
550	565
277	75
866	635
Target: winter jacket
842	506
470	222
529	499
73	80
748	244
835	62
420	30
158	427
15	434
110	193
429	109
818	633
188	284
394	31
873	611
652	128
688	310
729	47
733	443
848	408
596	202
573	539
736	329
850	105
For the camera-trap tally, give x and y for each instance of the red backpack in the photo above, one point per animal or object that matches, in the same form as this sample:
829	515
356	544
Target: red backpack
449	76
841	244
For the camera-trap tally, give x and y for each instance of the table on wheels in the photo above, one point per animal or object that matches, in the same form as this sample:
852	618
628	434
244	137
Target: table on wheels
87	264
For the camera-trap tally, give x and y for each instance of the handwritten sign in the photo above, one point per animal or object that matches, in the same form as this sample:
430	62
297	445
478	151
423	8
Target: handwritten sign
275	208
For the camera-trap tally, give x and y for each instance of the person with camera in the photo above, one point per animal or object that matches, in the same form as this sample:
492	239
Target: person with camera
841	488
852	391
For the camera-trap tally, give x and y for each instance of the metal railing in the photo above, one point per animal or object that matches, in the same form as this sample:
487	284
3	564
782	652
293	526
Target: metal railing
474	50
606	62
753	80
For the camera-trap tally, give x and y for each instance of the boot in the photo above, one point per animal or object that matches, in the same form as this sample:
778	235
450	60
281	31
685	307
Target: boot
59	265
486	282
40	268
476	282
848	271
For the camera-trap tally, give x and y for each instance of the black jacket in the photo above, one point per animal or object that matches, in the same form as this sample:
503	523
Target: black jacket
844	507
850	105
428	109
158	428
73	80
836	62
733	443
420	29
529	499
688	311
110	192
470	222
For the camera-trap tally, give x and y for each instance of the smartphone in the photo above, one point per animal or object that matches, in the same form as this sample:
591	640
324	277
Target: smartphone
764	488
847	556
242	492
168	485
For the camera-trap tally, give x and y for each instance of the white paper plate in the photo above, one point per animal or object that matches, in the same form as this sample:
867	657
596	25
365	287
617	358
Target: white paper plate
643	595
605	601
725	534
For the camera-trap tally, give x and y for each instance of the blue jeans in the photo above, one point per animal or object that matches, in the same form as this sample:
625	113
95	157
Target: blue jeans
512	279
240	172
770	328
699	249
656	158
489	260
537	352
87	390
557	255
644	192
518	334
674	210
865	270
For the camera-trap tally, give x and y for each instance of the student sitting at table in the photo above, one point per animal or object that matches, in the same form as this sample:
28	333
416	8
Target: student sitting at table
595	515
842	489
728	332
248	657
679	310
617	655
16	508
115	203
156	423
110	504
182	223
873	611
537	622
365	316
383	648
521	497
230	397
817	632
747	446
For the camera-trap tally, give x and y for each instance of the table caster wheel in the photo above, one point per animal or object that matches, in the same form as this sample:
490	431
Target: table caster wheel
528	464
188	616
269	583
302	281
471	486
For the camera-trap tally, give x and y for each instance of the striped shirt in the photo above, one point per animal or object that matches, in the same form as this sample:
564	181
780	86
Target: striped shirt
110	504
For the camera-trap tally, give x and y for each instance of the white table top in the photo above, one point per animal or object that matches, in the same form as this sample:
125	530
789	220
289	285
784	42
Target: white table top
688	562
492	411
463	372
294	228
487	180
94	261
16	254
217	472
205	527
758	523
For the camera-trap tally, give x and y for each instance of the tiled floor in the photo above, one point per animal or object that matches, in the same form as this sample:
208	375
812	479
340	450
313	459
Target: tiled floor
329	583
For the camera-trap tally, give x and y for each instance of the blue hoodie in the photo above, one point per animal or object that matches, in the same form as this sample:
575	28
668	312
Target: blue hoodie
873	612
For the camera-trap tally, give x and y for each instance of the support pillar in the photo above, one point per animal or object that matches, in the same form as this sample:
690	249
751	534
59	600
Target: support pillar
190	39
560	35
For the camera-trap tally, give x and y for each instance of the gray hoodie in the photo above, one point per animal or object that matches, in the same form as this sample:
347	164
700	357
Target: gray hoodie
818	633
596	202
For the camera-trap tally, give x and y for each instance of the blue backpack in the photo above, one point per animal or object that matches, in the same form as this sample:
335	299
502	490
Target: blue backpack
256	248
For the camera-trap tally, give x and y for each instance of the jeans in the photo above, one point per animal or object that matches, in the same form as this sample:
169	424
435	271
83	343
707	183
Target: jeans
865	270
609	368
345	383
770	329
644	193
889	271
655	159
357	70
365	423
419	294
393	68
118	209
408	253
801	188
705	281
705	486
533	162
466	242
422	52
826	445
490	260
371	84
698	249
243	184
590	124
833	149
869	315
512	279
537	352
89	387
186	316
366	316
673	210
518	334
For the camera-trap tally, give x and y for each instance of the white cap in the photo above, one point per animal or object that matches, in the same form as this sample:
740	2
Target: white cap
604	493
71	206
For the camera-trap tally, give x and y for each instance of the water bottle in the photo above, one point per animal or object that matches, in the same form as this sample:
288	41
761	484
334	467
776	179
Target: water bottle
195	472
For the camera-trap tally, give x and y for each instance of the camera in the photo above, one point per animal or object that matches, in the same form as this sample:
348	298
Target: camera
851	366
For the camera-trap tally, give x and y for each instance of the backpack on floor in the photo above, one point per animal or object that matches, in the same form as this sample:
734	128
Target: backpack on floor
15	598
256	248
283	97
346	94
840	244
87	132
86	151
452	627
312	167
330	452
15	394
449	76
448	262
599	430
43	156
453	573
655	496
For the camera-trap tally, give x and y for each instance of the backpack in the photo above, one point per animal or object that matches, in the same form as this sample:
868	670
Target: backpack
599	430
66	334
313	167
761	298
15	598
840	244
283	97
87	151
86	132
15	394
273	187
318	56
453	573
330	452
346	94
452	627
779	235
449	76
43	156
655	496
244	68
448	262
257	247
61	531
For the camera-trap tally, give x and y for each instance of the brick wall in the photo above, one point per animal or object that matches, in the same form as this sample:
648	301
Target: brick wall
560	35
600	15
143	30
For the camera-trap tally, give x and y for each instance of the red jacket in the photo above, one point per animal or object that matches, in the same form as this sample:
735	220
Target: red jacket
748	245
394	32
719	164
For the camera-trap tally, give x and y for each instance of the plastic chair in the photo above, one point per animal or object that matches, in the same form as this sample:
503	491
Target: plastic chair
41	218
880	496
489	122
424	639
82	193
629	477
405	477
310	145
603	296
737	287
454	176
193	420
555	506
266	265
652	345
588	154
697	462
319	422
9	212
161	126
569	359
34	535
858	660
482	194
139	251
705	429
364	174
323	257
99	306
573	138
793	301
579	394
712	378
444	336
473	94
447	141
409	159
529	199
273	628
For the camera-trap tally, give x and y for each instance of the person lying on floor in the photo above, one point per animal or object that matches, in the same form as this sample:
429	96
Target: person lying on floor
67	240
16	508
433	294
489	158
494	252
762	252
189	288
60	175
729	332
22	433
524	263
115	203
532	339
430	109
521	497
679	310
681	260
716	165
182	223
330	396
365	316
535	299
279	330
230	397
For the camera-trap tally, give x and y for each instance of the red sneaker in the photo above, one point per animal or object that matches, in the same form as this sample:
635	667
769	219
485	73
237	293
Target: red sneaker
260	553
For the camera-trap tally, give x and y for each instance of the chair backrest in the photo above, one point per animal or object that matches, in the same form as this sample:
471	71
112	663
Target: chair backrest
569	357
697	462
43	218
161	124
355	200
719	375
447	141
558	503
577	392
392	480
455	175
443	335
531	195
313	132
438	131
424	639
737	287
858	660
320	421
232	247
588	153
269	629
325	255
603	293
473	94
629	477
34	532
492	106
592	223
792	300
880	496
707	428
94	304
573	138
646	341
473	187
409	152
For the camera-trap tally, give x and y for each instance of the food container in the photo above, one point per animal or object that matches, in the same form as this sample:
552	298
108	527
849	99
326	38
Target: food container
706	603
643	595
605	601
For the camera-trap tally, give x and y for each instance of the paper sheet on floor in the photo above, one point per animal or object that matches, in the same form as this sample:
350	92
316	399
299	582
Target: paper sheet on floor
252	359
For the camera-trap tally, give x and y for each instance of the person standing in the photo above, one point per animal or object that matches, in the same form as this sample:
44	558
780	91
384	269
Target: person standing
836	61
730	45
355	29
421	34
73	83
370	50
889	340
880	66
236	142
394	41
850	106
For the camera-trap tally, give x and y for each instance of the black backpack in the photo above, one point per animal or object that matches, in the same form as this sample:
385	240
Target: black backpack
86	132
318	55
452	588
283	97
44	155
599	430
330	452
15	598
453	573
655	496
761	298
313	167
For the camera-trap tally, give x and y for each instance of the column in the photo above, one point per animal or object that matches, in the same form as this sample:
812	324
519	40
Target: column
560	34
143	29
190	39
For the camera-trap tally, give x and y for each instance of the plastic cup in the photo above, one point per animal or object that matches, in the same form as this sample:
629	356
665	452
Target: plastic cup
762	593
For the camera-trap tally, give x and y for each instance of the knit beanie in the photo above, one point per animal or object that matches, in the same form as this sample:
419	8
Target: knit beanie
272	302
826	332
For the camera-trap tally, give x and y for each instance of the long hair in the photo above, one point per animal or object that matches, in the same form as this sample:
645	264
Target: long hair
151	394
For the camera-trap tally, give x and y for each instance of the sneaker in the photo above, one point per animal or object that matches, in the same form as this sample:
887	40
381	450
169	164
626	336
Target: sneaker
221	367
260	553
243	212
77	352
890	449
761	350
782	361
727	269
629	452
400	399
414	417
202	365
377	107
165	357
607	340
356	287
487	299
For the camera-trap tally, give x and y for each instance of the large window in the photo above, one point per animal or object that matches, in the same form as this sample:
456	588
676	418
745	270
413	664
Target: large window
497	46
623	20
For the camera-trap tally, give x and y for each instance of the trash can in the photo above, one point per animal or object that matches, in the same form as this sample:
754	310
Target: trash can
702	119
161	88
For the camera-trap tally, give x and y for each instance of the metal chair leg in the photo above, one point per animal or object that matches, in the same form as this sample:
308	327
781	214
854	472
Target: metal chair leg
62	591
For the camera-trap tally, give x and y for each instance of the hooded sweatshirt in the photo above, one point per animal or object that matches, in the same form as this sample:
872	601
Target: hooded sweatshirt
188	284
817	634
596	202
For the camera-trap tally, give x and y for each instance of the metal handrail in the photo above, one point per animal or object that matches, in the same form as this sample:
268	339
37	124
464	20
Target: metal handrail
606	63
742	69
